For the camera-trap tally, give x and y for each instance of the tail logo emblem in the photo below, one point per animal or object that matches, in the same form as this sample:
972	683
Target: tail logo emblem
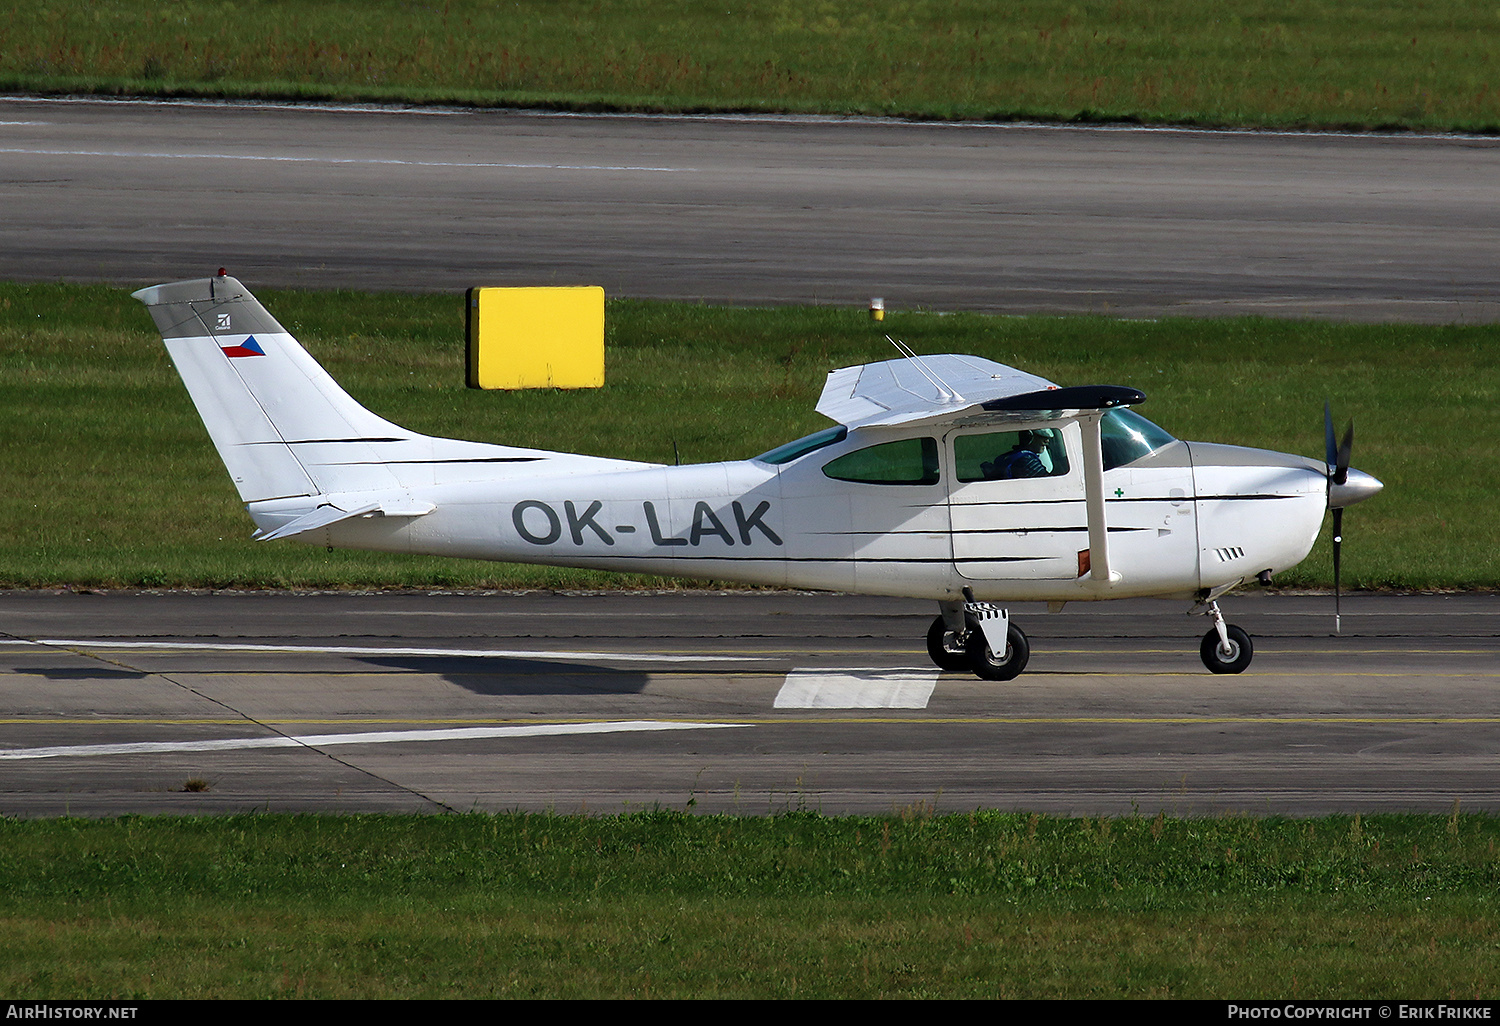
249	347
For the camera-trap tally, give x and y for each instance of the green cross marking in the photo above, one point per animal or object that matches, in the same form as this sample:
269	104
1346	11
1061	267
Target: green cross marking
1119	492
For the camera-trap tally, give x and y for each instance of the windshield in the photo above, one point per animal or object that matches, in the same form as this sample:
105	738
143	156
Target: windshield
1126	437
802	446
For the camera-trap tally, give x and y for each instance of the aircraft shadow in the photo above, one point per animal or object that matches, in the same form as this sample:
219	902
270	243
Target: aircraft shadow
504	675
55	673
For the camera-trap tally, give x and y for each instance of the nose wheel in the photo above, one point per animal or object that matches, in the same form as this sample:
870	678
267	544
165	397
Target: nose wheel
1226	648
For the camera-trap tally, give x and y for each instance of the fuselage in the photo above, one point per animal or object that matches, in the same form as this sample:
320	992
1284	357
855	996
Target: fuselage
889	512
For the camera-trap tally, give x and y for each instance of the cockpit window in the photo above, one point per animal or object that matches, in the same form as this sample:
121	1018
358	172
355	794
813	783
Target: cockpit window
906	462
802	446
1126	436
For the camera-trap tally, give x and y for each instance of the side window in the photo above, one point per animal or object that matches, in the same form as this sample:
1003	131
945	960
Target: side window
802	446
1005	455
909	461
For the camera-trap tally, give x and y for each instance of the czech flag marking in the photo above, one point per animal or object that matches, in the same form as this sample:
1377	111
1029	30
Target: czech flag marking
249	347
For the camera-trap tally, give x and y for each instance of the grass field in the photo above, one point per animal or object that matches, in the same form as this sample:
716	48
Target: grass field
1277	63
796	905
109	478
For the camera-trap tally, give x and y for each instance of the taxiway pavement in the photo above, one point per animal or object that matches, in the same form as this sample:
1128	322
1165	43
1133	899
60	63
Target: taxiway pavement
747	703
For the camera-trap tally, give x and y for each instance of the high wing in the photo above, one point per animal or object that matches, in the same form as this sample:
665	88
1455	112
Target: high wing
954	389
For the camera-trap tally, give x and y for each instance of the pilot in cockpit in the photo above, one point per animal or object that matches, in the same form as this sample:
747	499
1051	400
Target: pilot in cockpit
1023	460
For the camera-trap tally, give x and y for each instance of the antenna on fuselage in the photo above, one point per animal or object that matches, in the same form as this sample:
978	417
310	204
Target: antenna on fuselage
945	391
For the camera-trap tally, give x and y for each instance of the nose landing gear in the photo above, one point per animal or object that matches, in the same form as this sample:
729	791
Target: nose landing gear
1226	648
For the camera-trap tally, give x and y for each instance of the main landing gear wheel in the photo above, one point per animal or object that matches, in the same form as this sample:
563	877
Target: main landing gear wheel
985	663
946	648
1232	660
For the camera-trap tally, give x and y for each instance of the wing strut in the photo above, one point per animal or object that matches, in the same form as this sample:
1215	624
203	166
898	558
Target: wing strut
1093	491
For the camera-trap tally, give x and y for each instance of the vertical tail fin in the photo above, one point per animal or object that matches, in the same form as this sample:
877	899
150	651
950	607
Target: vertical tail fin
274	415
303	454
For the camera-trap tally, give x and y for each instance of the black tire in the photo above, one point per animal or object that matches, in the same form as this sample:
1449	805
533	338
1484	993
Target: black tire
1234	661
984	663
944	647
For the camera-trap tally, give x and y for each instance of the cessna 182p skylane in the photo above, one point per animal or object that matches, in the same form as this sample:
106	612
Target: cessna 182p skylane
950	478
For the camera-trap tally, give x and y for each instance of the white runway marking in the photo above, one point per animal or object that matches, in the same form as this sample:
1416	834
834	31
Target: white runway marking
857	689
489	653
379	737
382	161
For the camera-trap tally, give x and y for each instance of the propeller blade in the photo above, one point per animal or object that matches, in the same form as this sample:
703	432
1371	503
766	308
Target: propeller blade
1336	465
1330	449
1341	467
1336	462
1338	544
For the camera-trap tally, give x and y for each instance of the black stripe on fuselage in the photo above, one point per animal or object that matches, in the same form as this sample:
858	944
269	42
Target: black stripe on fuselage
378	463
326	441
967	530
805	559
409	463
1111	500
1241	498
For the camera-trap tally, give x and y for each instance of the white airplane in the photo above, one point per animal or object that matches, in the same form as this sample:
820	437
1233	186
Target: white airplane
949	478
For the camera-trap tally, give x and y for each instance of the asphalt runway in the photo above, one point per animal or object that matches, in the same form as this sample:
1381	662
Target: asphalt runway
747	703
756	210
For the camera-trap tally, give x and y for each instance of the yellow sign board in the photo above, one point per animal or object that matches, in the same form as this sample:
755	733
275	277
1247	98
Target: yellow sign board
536	338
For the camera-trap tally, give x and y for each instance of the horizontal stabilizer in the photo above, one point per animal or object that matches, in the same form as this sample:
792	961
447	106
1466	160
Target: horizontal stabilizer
329	514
